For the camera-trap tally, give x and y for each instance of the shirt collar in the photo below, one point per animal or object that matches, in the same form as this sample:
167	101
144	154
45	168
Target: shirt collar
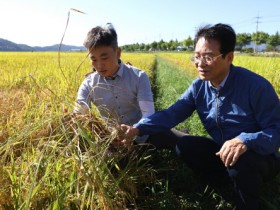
119	72
220	85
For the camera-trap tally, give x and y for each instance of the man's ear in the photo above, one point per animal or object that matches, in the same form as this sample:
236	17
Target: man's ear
230	57
119	52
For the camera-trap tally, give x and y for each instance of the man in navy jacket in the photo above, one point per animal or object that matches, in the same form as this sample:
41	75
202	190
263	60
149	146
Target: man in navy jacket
239	109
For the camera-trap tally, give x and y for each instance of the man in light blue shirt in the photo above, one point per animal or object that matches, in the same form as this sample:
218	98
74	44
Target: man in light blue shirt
121	92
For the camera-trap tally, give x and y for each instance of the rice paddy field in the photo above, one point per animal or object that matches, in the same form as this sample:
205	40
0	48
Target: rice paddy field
52	159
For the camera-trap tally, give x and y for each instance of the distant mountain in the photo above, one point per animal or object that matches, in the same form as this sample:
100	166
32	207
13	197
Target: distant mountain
6	45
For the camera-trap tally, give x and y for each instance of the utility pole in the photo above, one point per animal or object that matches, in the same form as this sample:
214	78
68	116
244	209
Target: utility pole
256	39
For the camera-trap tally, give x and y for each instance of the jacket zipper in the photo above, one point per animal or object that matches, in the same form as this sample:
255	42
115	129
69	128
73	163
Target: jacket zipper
217	115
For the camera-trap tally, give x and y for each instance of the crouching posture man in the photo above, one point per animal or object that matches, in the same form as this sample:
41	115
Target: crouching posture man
239	109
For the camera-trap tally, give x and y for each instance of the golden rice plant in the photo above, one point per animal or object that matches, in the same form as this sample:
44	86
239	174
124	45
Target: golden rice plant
267	66
52	158
144	61
181	61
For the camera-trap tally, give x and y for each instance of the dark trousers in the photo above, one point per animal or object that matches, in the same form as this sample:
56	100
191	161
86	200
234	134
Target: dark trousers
165	140
247	175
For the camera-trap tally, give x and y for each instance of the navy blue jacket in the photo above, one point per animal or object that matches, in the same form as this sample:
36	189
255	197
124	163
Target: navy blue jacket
246	107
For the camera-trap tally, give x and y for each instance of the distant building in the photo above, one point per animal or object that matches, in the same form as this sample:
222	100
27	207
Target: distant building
258	48
77	50
183	48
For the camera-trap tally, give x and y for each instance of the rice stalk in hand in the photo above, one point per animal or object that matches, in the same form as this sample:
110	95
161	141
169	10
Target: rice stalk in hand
72	160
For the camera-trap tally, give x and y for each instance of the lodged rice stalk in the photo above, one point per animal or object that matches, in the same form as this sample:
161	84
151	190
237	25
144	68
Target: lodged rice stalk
53	159
70	162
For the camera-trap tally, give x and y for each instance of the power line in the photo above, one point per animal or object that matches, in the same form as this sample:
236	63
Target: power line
256	20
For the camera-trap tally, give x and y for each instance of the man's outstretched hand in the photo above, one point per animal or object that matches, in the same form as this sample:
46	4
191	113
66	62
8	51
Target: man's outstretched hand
129	131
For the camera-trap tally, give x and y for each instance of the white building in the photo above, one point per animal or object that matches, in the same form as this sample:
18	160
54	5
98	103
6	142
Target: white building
258	48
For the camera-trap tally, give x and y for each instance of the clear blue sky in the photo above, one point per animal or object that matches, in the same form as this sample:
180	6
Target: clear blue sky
42	22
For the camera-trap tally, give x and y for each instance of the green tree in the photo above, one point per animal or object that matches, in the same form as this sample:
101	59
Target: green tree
273	41
142	46
172	44
147	47
162	45
154	45
260	37
188	42
242	39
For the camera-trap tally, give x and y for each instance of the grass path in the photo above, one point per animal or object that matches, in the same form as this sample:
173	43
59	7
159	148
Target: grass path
170	83
177	187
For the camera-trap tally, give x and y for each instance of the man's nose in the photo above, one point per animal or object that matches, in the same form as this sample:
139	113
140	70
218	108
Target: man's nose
99	65
200	62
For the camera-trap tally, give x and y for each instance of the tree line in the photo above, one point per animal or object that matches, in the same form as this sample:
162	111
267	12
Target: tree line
242	40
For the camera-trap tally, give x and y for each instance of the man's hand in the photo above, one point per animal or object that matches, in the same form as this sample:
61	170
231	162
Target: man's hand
231	151
125	136
129	131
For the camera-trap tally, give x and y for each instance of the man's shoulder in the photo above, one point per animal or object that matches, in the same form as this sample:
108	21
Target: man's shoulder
133	70
88	74
91	74
250	80
248	75
90	78
198	82
130	66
